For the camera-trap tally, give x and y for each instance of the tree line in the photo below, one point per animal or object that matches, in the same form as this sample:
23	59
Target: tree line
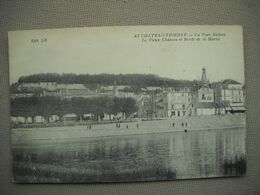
140	80
49	105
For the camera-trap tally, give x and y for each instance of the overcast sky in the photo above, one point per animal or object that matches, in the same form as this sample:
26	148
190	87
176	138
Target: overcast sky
116	50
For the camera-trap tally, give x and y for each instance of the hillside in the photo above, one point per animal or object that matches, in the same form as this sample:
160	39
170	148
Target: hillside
140	80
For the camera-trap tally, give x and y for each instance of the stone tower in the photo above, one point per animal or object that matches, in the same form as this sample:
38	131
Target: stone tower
204	81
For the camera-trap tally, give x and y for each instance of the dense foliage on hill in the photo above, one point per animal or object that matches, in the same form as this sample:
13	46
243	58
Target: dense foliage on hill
141	80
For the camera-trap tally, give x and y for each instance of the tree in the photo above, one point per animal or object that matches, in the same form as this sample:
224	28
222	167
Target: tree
25	107
125	105
46	106
62	107
79	106
100	105
49	105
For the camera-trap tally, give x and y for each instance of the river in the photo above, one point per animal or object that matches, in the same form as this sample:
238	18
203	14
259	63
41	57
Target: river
145	157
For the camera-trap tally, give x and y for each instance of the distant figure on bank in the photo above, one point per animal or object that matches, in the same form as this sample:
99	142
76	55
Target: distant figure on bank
137	125
185	130
127	126
186	124
182	124
89	126
118	125
172	124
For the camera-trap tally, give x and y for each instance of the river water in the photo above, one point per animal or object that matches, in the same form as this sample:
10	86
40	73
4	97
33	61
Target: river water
161	156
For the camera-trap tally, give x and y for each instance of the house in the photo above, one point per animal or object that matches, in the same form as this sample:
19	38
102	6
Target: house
21	95
50	86
230	93
64	91
176	102
113	89
204	108
151	88
70	117
68	91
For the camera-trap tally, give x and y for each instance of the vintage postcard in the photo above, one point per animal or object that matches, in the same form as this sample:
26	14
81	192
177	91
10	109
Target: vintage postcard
127	103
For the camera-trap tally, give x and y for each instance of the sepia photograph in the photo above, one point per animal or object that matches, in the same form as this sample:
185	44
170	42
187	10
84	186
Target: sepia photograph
127	103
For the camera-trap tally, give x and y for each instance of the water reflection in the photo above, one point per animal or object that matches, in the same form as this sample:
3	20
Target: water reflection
176	155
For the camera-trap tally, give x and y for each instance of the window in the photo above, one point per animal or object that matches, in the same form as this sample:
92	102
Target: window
203	97
183	106
183	113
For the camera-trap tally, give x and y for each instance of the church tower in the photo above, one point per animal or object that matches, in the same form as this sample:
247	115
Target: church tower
204	83
205	93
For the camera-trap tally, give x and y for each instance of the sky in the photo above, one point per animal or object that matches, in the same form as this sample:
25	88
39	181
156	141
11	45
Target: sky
120	50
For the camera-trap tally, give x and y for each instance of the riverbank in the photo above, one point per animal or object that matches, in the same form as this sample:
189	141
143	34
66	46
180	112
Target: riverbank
185	124
70	123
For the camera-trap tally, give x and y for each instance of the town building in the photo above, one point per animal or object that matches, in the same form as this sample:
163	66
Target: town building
203	98
50	86
63	91
230	95
200	98
120	91
68	91
177	102
164	104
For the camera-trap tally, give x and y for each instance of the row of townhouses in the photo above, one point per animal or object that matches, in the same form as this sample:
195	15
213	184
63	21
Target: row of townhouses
223	97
